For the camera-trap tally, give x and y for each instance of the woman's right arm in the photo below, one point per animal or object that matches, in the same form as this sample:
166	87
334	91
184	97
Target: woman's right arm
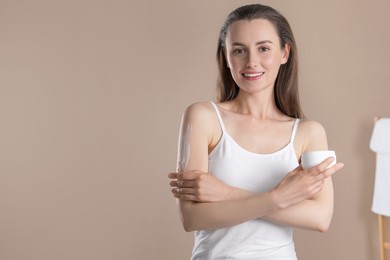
196	135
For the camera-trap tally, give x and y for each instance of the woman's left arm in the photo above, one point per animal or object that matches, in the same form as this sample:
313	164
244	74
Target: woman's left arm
315	213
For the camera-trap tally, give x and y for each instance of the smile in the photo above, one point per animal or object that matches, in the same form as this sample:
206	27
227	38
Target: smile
253	75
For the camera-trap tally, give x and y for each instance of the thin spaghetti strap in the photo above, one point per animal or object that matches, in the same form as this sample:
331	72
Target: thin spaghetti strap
294	131
219	116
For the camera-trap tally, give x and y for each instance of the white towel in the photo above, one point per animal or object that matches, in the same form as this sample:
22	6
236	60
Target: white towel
380	143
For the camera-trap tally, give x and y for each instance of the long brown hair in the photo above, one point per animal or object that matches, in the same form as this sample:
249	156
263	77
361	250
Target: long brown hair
286	83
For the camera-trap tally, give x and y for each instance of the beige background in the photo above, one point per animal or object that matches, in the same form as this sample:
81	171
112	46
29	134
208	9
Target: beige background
91	95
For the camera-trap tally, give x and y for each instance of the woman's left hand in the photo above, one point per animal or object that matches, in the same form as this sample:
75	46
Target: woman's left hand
199	186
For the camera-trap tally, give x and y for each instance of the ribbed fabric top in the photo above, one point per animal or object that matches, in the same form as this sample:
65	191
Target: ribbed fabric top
256	239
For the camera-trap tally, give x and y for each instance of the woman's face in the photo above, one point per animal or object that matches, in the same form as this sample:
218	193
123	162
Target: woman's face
254	55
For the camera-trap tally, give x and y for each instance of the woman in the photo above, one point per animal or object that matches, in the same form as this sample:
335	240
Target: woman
239	184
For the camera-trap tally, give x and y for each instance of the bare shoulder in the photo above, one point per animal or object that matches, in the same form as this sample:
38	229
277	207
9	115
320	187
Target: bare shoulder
311	128
204	121
312	136
200	111
199	107
202	115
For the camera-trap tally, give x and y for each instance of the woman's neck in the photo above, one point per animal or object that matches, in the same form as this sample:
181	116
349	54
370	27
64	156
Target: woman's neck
259	105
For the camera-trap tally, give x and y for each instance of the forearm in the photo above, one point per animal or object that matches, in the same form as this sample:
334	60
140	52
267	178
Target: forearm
314	214
308	214
206	216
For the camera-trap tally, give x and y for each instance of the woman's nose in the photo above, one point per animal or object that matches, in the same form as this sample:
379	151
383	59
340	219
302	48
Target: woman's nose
253	60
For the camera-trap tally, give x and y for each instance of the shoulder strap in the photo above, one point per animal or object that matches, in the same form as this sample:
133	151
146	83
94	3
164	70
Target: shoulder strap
294	131
219	116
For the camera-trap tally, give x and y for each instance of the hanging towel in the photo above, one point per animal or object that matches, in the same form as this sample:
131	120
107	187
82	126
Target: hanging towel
380	143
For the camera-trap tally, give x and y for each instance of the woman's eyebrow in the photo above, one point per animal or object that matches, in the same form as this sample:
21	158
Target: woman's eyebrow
257	43
265	41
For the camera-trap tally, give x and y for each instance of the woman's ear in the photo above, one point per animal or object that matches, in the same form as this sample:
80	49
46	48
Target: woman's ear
286	53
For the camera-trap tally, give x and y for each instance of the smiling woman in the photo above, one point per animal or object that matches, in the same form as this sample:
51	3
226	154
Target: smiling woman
257	52
239	183
286	84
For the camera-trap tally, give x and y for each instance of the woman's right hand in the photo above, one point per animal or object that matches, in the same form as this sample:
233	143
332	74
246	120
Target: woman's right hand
302	184
199	186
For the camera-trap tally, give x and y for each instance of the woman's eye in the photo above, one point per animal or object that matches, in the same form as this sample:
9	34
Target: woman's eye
263	49
238	51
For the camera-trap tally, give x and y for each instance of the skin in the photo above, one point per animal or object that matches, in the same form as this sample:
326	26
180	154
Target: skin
304	198
184	149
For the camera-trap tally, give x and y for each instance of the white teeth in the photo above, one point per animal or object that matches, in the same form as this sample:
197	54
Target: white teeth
253	74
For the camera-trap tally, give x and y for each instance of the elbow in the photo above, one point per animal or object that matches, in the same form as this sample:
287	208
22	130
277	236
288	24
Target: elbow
323	226
187	216
187	227
190	224
324	220
187	223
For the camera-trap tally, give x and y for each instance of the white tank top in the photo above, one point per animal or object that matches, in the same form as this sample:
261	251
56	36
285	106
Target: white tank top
256	239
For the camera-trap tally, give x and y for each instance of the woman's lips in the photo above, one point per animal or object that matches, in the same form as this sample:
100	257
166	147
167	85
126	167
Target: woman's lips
253	75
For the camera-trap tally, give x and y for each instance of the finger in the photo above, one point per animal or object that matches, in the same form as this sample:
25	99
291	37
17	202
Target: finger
191	175
183	191
188	175
329	171
322	166
325	164
182	175
182	184
318	188
186	184
173	175
332	170
188	197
